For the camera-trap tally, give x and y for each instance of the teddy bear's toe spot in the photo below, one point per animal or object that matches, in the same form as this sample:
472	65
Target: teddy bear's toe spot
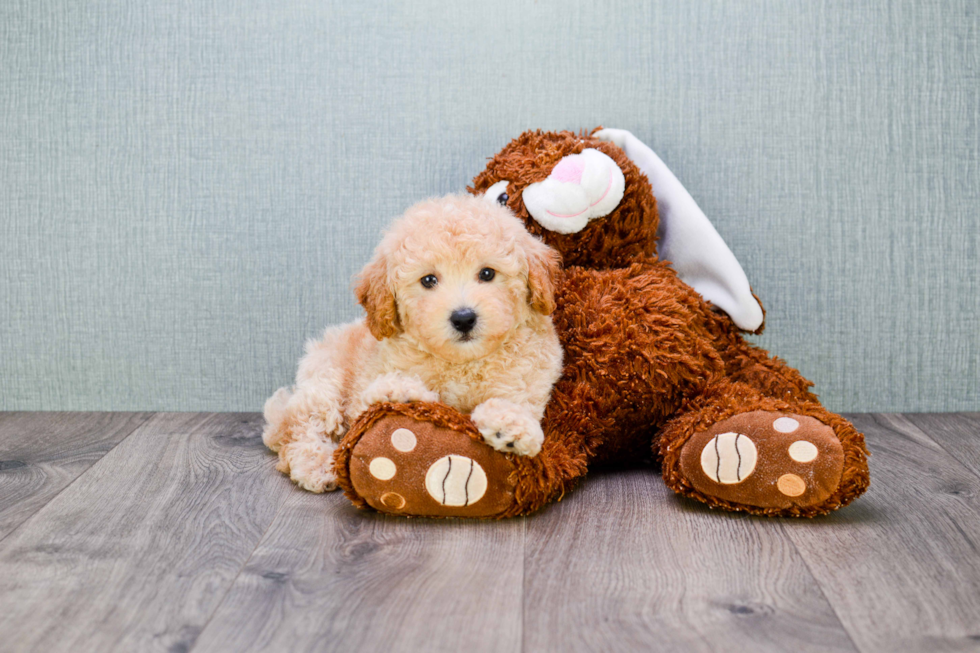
785	424
456	481
802	451
403	440
393	500
791	485
729	458
382	468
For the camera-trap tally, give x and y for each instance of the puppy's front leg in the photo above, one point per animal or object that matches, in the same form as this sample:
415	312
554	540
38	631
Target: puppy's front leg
508	426
396	388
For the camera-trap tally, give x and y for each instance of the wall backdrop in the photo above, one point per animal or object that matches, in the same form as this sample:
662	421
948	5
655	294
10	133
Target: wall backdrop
187	187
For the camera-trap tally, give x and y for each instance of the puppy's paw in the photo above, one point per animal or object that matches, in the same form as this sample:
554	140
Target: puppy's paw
508	427
309	464
397	388
299	413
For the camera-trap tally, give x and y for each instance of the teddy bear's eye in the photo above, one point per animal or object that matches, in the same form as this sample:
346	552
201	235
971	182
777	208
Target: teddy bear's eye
498	192
487	274
429	281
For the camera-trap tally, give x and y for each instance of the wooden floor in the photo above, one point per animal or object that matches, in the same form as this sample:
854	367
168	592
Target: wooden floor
172	532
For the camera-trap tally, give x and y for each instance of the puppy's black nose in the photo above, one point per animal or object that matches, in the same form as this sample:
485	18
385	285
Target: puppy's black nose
463	319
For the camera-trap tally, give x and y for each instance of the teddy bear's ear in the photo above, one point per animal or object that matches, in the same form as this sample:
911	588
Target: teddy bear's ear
688	240
375	294
543	267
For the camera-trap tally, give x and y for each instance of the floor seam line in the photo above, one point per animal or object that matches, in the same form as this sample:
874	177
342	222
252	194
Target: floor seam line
833	608
231	585
83	473
939	444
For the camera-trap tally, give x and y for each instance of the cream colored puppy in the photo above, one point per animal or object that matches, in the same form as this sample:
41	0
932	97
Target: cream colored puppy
457	296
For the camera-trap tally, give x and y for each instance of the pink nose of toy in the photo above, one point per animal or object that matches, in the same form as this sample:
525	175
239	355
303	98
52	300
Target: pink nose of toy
569	169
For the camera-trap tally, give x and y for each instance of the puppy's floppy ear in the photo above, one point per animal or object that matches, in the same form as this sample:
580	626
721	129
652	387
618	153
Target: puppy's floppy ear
375	294
543	268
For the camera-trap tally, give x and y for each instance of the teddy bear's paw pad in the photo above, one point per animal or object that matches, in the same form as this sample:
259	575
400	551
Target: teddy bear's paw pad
765	459
729	458
409	467
456	481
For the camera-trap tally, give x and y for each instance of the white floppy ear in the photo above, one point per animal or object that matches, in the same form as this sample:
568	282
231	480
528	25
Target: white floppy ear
688	240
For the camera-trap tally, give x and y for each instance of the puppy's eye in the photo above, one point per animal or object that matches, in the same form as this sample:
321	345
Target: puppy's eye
502	198
487	274
429	281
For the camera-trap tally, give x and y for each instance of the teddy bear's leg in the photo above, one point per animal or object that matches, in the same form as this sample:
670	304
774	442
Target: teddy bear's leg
737	449
768	375
426	459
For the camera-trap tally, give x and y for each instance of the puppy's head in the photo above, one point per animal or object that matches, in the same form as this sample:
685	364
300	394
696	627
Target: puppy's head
457	275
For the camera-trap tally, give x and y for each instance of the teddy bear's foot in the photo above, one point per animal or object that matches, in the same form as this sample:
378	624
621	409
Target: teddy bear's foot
765	459
423	460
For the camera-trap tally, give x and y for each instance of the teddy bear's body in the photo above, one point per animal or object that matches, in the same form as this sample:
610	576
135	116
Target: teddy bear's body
651	371
653	364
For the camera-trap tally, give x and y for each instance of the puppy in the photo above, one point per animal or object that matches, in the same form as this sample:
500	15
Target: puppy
457	297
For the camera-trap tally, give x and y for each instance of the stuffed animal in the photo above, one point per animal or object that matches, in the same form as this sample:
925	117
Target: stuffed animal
650	310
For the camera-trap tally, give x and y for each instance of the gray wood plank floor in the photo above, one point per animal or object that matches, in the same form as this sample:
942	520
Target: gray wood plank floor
173	532
42	453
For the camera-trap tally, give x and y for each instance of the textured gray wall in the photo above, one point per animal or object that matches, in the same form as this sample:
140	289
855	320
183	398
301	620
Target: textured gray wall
187	187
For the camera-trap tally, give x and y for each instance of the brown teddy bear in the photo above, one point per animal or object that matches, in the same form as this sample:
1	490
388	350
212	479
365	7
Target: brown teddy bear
654	361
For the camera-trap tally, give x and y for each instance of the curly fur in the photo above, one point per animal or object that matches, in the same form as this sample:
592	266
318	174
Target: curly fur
406	349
